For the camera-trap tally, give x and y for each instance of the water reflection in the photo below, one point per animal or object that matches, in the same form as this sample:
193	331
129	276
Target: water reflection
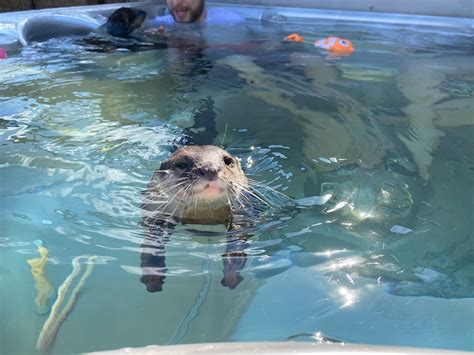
348	297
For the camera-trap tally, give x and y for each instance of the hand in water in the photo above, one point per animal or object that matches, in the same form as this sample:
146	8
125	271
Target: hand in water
156	30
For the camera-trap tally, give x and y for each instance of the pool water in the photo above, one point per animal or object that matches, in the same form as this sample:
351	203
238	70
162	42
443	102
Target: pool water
386	132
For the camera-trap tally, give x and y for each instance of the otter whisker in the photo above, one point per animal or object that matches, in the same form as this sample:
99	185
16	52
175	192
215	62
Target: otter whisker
169	187
183	191
266	186
223	138
163	194
245	201
259	195
250	192
172	188
174	197
167	171
274	196
263	183
182	206
228	197
191	198
242	202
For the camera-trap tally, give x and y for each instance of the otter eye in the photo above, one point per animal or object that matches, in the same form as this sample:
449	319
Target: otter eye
181	165
228	160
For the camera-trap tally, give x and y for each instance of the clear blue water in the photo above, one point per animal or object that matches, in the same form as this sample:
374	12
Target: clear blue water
388	132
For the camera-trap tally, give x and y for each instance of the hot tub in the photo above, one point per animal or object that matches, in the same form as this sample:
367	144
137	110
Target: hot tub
373	150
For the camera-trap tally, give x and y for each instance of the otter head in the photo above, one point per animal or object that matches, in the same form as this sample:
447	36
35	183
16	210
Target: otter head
124	21
199	184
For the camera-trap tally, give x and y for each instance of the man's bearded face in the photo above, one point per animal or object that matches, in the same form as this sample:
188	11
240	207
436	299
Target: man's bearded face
185	11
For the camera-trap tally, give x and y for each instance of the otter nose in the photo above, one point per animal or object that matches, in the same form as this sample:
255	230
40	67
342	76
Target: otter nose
208	171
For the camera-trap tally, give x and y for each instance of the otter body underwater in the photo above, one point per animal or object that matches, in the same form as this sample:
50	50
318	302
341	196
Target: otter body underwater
196	185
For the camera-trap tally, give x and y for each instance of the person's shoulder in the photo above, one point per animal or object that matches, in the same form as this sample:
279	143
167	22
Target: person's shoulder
220	15
160	20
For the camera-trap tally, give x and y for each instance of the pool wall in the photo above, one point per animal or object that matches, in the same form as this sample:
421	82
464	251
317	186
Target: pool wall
454	8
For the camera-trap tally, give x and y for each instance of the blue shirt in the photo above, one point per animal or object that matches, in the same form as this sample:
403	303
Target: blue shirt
215	16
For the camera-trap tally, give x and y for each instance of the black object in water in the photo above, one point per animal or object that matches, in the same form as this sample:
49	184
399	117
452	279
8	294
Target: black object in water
124	21
117	33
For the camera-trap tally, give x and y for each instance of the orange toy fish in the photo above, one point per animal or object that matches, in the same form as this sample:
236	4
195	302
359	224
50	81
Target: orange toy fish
335	45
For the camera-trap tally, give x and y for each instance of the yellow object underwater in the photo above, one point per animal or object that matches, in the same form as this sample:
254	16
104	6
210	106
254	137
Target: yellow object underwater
56	316
46	294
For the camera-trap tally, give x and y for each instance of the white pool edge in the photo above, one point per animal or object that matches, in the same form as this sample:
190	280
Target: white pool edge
274	348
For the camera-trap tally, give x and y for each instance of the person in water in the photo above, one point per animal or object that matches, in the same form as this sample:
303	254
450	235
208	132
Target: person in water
195	11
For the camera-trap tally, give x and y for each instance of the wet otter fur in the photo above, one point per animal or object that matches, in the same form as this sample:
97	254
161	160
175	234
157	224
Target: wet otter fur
121	31
124	21
196	185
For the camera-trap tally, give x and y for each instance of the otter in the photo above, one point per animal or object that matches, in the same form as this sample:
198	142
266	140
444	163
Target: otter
124	21
121	31
196	185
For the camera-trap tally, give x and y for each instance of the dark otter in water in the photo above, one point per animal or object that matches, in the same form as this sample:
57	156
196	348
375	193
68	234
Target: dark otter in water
124	21
196	185
118	33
